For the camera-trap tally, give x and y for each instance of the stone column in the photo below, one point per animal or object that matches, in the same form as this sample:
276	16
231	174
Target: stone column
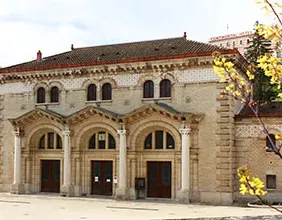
183	195
67	189
17	186
122	191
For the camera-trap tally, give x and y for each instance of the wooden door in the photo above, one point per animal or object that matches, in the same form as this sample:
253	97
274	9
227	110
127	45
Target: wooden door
159	179
102	178
50	176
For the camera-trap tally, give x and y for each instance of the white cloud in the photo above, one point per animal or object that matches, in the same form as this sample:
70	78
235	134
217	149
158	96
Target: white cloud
53	25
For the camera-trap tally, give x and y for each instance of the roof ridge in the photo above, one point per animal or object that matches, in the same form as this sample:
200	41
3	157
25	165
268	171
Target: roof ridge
134	42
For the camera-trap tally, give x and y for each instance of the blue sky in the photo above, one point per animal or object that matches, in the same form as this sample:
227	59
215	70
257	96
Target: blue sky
52	26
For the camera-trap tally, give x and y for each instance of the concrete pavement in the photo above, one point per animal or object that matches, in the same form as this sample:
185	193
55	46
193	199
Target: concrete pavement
53	207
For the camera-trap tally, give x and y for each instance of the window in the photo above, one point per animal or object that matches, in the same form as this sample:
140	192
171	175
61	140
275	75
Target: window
91	92
102	140
148	89
269	147
59	142
148	142
112	142
54	95
107	91
50	140
92	142
165	88
169	141
42	142
159	140
241	42
270	181
227	44
233	43
41	95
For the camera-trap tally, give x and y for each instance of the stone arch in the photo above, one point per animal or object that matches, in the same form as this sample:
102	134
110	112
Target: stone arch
145	78
108	80
168	76
41	85
84	135
34	134
57	84
142	130
88	82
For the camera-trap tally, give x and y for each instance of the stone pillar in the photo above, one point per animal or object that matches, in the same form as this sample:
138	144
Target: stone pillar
17	186
67	188
183	194
122	190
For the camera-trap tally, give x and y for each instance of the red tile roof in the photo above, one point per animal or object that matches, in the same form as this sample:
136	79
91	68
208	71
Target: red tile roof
120	53
273	109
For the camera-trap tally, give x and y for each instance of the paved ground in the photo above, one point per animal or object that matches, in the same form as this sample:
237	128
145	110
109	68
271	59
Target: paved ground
52	207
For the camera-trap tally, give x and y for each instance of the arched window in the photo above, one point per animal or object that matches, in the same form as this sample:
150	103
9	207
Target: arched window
165	88
148	142
41	95
102	140
42	142
91	92
107	91
162	140
92	142
269	147
148	89
54	94
50	140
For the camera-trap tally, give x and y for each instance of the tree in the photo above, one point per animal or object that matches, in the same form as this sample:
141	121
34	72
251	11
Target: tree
259	46
239	86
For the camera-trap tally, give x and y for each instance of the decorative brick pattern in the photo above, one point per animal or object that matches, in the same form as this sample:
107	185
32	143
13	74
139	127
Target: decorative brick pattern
17	87
187	76
246	131
197	75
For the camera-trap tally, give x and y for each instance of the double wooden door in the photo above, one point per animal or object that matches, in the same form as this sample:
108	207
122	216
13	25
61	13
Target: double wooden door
50	176
159	179
102	178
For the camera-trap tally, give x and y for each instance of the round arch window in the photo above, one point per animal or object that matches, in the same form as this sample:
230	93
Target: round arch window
102	140
159	139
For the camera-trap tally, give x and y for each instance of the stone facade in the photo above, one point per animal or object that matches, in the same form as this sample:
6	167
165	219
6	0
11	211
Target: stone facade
201	165
250	151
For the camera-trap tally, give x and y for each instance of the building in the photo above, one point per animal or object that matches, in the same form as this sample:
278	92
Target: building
237	40
240	41
108	120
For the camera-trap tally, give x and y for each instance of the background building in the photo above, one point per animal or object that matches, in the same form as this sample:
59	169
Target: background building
240	41
237	40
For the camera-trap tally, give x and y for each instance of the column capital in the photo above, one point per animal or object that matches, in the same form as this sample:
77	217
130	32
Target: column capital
16	133
121	132
66	132
185	131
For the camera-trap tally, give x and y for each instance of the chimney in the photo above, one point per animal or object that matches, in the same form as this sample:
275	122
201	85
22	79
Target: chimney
185	35
72	48
39	55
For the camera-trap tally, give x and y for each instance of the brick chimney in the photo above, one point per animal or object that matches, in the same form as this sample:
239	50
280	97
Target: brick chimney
39	55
